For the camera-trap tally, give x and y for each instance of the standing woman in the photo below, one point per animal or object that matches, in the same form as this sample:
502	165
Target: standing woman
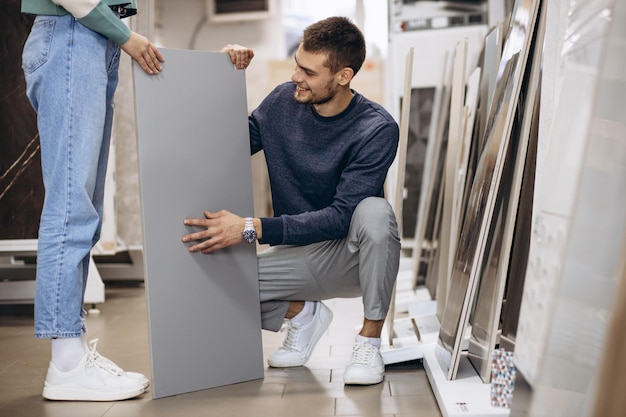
70	61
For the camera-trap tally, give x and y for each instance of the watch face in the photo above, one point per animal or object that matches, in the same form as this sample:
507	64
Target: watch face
249	235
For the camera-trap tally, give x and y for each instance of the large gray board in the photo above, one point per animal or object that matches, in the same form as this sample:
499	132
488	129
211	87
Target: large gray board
194	155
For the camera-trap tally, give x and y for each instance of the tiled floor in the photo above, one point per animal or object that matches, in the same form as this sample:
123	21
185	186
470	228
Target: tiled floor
121	327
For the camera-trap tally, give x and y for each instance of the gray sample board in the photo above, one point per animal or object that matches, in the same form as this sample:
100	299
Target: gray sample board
194	155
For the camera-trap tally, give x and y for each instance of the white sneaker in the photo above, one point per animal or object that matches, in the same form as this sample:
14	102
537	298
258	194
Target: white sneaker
133	375
95	378
301	340
366	367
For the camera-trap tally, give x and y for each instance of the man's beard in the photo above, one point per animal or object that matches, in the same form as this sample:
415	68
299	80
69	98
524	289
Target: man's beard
314	99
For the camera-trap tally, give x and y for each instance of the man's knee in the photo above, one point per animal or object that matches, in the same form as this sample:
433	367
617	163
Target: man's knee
375	216
373	207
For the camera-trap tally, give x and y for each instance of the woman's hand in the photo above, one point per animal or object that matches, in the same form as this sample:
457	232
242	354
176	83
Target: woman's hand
144	52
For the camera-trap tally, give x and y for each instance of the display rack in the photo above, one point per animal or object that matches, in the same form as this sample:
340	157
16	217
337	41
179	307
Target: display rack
465	396
412	334
17	277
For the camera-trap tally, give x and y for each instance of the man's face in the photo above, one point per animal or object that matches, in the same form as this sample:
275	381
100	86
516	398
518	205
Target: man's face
314	82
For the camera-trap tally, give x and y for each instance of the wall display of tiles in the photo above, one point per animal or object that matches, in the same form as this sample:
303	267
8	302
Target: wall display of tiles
21	186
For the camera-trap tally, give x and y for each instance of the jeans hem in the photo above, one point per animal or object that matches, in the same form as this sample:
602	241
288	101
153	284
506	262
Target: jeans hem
58	335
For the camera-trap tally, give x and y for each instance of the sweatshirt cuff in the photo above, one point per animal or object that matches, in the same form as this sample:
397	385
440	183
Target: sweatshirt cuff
272	231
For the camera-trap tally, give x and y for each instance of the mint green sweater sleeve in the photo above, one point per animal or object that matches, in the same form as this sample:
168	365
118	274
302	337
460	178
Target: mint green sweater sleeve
105	22
97	16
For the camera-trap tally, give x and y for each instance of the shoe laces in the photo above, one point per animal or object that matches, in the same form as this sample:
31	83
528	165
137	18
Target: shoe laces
291	340
363	353
98	361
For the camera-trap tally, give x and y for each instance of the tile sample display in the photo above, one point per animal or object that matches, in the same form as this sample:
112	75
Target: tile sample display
555	204
478	225
579	234
486	317
426	229
21	185
194	155
445	246
397	201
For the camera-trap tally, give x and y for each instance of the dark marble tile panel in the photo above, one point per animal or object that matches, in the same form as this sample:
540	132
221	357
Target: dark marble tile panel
21	186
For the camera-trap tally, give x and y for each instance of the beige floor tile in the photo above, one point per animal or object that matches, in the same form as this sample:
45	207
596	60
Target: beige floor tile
121	329
422	405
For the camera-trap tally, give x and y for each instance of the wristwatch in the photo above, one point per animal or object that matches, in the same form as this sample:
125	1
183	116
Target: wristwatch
249	234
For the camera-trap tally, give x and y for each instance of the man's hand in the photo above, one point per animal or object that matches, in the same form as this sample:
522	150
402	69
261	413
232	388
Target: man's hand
221	230
240	55
144	52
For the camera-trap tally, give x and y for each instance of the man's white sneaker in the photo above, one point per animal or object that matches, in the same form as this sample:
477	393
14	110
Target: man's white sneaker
366	367
95	378
301	340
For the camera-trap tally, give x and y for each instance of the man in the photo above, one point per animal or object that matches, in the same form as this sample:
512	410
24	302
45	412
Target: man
333	234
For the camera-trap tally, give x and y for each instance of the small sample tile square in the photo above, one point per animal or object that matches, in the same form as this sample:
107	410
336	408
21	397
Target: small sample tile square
502	378
194	155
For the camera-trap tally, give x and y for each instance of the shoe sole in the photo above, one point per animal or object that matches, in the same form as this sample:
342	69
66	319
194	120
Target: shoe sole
139	378
364	381
314	339
145	383
286	364
56	393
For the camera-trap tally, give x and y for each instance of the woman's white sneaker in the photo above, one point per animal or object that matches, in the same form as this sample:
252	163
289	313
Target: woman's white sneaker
95	378
133	375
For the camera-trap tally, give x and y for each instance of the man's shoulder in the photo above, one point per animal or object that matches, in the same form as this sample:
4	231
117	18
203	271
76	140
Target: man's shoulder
273	98
376	109
277	97
284	88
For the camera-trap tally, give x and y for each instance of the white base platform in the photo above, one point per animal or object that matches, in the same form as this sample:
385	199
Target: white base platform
20	291
412	334
465	396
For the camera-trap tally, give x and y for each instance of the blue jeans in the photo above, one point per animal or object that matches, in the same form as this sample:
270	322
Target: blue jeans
71	74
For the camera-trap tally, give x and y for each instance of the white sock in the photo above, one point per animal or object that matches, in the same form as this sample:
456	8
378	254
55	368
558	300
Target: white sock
66	353
374	341
305	315
83	340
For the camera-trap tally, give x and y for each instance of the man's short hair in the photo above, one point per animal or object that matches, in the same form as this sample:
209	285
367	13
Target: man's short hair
340	39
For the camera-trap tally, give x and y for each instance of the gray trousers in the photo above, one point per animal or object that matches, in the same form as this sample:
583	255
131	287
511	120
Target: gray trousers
363	264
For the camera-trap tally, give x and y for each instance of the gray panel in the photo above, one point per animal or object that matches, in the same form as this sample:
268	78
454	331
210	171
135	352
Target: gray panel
194	155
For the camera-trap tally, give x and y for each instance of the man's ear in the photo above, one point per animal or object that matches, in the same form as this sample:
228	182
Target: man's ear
345	75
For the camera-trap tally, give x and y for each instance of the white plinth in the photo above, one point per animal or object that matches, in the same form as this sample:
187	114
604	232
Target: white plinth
412	334
23	290
465	396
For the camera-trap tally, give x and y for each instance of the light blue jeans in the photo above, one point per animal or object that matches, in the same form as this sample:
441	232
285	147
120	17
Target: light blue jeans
364	264
71	74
